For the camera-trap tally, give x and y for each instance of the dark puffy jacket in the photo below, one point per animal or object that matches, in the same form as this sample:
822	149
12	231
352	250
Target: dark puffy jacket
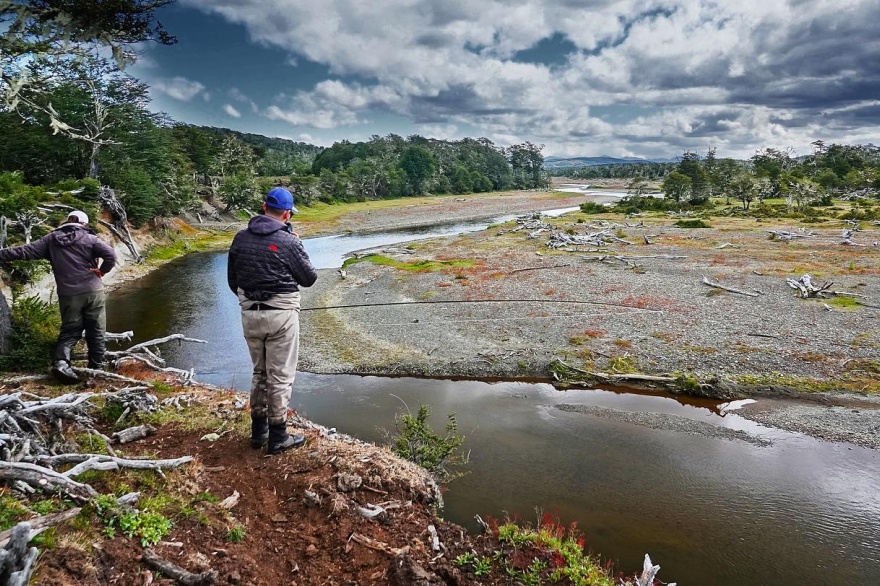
72	249
267	257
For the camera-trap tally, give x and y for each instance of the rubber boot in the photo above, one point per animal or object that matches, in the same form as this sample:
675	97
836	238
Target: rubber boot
259	431
281	441
63	373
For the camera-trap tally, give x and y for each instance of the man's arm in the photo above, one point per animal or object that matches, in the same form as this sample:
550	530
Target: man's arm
303	271
231	276
33	251
107	255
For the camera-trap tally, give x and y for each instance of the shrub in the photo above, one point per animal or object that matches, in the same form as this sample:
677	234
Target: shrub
417	442
34	329
692	224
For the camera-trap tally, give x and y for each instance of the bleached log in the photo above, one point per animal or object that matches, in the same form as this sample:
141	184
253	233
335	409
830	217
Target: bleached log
121	462
40	524
229	502
111	337
435	539
175	572
94	373
16	560
786	235
731	289
132	434
62	403
807	288
378	545
40	477
157	341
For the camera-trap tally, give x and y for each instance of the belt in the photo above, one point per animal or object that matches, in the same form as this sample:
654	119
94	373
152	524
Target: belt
262	307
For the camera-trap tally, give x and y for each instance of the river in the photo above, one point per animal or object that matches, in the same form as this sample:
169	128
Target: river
708	510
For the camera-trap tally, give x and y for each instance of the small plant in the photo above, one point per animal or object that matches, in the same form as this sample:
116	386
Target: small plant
417	442
236	534
147	526
692	224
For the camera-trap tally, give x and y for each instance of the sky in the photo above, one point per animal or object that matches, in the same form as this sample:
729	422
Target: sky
637	78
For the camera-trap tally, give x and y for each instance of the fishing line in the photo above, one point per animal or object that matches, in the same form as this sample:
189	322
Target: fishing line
437	302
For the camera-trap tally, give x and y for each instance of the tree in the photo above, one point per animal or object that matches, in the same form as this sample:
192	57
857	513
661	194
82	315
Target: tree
691	167
743	188
239	191
418	164
675	185
67	29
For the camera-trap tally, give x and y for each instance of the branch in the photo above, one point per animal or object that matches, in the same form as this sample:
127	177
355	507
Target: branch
731	289
187	578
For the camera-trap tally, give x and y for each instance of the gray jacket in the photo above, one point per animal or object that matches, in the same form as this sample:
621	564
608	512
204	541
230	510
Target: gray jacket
72	250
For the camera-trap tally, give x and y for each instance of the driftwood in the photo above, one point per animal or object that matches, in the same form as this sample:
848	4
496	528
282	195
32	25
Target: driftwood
731	289
807	289
132	434
16	560
787	235
378	545
175	572
40	524
649	572
615	377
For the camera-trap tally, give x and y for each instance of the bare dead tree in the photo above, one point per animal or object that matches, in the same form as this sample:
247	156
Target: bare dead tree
119	226
27	221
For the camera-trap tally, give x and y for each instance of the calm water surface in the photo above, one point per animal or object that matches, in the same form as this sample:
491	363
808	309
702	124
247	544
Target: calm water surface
709	511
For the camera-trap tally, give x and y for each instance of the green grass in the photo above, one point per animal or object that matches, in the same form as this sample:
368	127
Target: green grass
418	266
843	301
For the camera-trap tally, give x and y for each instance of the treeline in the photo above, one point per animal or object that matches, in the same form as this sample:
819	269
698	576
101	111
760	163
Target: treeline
834	170
161	168
393	166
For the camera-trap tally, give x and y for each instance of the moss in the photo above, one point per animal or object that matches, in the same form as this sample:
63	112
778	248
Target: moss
843	301
419	266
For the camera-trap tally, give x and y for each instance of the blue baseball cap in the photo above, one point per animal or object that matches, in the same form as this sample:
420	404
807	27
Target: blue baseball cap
281	199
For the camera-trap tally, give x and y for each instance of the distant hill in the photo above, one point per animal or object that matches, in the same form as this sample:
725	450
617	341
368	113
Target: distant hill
559	162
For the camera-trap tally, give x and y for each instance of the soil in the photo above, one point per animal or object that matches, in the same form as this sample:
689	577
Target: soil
288	538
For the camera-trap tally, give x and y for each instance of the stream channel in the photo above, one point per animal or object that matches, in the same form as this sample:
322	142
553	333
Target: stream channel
708	510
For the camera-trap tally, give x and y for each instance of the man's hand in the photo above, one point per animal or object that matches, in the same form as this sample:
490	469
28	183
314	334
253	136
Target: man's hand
98	272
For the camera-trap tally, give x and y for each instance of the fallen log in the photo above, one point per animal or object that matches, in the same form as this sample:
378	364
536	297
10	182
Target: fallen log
40	524
807	288
132	434
378	545
41	477
731	289
175	572
17	561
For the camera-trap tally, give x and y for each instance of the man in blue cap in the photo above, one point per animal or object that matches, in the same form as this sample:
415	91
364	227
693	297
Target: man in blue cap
267	266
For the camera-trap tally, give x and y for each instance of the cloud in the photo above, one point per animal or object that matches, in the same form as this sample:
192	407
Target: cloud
737	73
231	111
178	88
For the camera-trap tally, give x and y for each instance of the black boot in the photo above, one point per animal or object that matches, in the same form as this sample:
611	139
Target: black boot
281	441
63	373
259	431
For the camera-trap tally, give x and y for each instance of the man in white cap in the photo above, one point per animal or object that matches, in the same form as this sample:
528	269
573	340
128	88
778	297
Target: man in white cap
74	250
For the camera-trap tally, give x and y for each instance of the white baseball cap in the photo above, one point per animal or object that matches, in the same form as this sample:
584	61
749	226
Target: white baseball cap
81	217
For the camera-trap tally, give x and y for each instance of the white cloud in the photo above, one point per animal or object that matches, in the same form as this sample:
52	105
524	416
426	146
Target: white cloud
731	73
231	111
178	88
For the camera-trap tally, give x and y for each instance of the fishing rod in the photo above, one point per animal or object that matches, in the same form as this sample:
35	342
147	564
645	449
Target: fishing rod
451	301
